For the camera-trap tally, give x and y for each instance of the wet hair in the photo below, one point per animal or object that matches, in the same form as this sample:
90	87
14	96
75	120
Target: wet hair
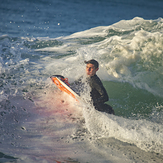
92	61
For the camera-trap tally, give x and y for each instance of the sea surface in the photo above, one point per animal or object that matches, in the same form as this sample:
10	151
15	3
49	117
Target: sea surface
41	38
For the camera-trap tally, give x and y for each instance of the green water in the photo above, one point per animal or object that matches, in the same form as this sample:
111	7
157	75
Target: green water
129	101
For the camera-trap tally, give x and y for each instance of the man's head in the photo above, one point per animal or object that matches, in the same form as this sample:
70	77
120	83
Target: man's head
92	67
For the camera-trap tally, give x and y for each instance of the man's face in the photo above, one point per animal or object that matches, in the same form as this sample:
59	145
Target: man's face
90	69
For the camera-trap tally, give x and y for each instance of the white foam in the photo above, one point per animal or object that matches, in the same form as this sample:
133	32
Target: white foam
129	54
144	134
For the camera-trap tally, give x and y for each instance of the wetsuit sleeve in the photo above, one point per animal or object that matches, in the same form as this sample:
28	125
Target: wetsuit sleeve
99	94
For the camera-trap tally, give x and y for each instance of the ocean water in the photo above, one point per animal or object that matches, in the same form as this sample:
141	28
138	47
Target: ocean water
40	124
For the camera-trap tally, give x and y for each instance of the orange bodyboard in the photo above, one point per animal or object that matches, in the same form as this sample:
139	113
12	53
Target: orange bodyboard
64	87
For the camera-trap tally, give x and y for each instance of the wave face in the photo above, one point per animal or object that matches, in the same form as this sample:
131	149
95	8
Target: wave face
38	123
36	116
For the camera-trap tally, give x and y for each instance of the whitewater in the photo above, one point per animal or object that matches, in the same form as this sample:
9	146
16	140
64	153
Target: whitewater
41	38
41	124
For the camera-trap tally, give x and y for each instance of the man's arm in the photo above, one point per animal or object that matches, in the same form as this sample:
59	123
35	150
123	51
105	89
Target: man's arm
103	96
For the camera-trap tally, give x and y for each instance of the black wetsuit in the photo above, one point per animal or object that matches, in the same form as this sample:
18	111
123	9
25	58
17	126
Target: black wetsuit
98	93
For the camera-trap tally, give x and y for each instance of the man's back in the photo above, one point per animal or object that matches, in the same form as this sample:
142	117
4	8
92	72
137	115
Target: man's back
98	92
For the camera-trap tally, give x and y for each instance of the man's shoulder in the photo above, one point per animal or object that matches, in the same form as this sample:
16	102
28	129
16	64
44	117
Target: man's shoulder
96	79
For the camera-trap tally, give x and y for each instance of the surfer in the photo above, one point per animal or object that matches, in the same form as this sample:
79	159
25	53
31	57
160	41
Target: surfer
98	93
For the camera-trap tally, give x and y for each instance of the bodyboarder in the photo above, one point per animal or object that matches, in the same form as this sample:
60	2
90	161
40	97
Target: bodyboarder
98	93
